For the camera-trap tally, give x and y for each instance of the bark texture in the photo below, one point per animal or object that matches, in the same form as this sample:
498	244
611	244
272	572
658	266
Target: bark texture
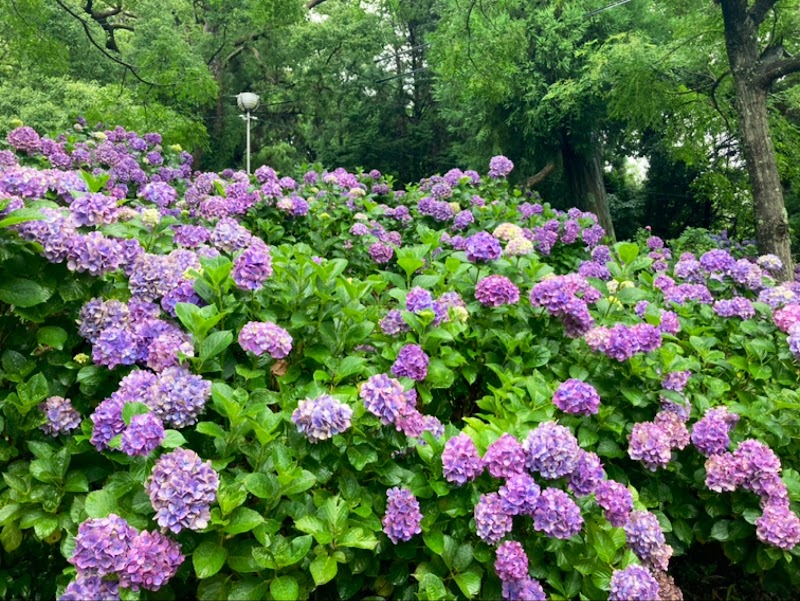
751	86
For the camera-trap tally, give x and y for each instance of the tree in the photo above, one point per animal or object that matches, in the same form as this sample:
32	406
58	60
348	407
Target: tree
755	67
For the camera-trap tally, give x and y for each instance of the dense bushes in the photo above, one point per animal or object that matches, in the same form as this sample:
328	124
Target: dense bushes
323	387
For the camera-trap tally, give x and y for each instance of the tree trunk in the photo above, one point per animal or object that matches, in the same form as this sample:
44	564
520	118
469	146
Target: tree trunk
772	224
584	177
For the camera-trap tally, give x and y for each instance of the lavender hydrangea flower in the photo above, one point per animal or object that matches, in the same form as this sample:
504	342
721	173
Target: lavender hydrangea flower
265	337
180	397
723	473
253	266
403	517
393	323
461	462
94	210
505	457
482	247
519	495
646	540
491	522
711	433
759	468
778	526
411	362
587	476
616	501
633	583
152	561
551	450
24	138
142	436
496	290
556	514
511	562
674	427
650	444
182	488
107	422
527	589
91	588
61	416
736	307
418	300
381	253
500	166
577	397
322	418
676	380
101	545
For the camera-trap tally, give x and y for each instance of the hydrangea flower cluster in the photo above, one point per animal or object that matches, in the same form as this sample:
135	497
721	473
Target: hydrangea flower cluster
384	396
634	582
511	562
505	457
109	547
495	291
621	342
182	488
261	337
403	517
556	514
577	397
143	435
322	418
411	362
500	166
646	540
710	435
482	247
253	266
551	450
491	521
519	495
461	462
61	416
616	501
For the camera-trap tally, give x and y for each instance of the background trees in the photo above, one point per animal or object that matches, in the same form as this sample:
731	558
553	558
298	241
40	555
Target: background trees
567	90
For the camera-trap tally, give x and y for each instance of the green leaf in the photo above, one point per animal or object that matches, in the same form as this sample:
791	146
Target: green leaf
631	295
100	503
323	569
469	583
358	538
305	481
23	293
211	429
284	588
439	375
719	531
432	587
361	455
11	537
45	525
316	527
293	553
208	559
349	366
261	485
76	482
52	336
133	408
434	541
243	519
463	557
627	251
172	439
216	343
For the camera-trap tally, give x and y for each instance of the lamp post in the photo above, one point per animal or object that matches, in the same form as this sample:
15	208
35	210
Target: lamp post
247	102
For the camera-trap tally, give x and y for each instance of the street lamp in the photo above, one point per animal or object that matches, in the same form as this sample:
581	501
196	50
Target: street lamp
247	102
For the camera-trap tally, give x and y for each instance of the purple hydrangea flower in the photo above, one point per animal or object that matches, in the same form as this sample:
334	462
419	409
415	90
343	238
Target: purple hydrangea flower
736	307
24	138
759	468
482	247
711	433
505	457
393	323
403	517
411	362
381	253
61	416
511	562
253	266
616	501
527	589
778	526
384	396
646	540
182	488
633	583
519	495
152	561
674	427
179	397
650	444
265	337
107	422
676	380
556	514
101	545
418	300
496	290
143	435
322	418
723	473
577	397
94	210
91	588
587	476
551	450
500	166
461	462
491	521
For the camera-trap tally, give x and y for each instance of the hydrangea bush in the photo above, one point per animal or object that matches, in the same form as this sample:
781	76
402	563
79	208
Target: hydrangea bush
218	386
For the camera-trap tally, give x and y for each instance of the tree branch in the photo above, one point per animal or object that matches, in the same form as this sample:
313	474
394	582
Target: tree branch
540	175
778	68
760	9
313	3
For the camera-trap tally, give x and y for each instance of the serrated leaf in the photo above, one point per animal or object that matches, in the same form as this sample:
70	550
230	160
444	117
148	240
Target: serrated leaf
172	439
243	519
358	538
469	583
131	409
52	336
23	293
215	343
323	569
284	588
100	503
